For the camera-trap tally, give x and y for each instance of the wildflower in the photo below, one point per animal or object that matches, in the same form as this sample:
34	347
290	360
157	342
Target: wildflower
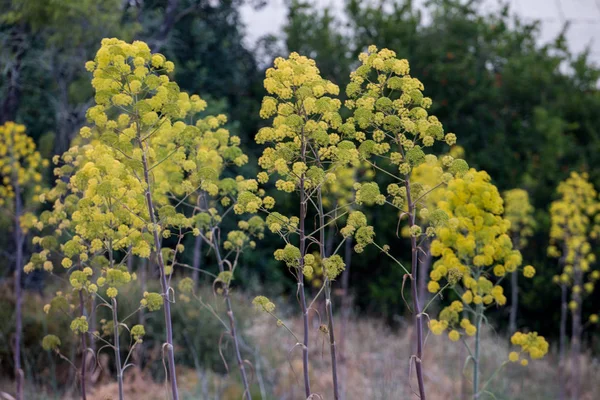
51	342
264	304
528	271
138	332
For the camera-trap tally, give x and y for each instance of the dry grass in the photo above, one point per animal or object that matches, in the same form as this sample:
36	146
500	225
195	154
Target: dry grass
374	366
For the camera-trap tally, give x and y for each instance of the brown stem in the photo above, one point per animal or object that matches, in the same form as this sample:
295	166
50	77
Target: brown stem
576	336
163	281
84	350
232	329
514	294
328	305
424	268
562	342
142	272
197	261
418	357
300	275
117	348
19	240
514	303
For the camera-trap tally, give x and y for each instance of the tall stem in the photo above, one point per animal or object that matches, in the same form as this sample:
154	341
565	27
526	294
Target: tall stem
142	272
232	329
300	274
418	357
197	261
328	305
117	348
163	280
83	349
514	302
424	268
576	335
476	365
19	239
562	346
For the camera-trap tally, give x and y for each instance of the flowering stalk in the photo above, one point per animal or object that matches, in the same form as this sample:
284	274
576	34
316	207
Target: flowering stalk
562	344
123	177
477	354
414	273
232	329
389	104
20	164
300	274
163	277
213	150
19	241
574	218
83	376
328	305
117	347
307	154
519	212
475	253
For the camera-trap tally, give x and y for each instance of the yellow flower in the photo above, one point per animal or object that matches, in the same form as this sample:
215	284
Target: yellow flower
529	271
433	287
454	336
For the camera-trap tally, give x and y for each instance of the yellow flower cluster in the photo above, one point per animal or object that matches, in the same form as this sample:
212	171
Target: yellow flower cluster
20	164
475	242
389	103
304	119
472	249
575	222
449	318
519	211
530	344
574	218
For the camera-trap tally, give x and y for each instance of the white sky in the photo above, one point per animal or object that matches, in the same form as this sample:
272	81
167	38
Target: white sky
584	16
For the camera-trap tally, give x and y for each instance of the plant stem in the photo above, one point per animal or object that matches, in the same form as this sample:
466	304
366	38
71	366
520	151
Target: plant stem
142	272
424	268
415	294
300	274
117	348
476	366
84	350
328	305
514	303
562	342
196	263
215	244
576	335
19	239
163	280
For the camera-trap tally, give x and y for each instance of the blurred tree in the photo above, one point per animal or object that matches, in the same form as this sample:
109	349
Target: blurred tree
48	44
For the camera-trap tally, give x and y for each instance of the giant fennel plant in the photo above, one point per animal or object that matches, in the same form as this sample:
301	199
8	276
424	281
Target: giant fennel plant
519	211
574	225
142	153
475	253
210	208
305	147
388	104
20	170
